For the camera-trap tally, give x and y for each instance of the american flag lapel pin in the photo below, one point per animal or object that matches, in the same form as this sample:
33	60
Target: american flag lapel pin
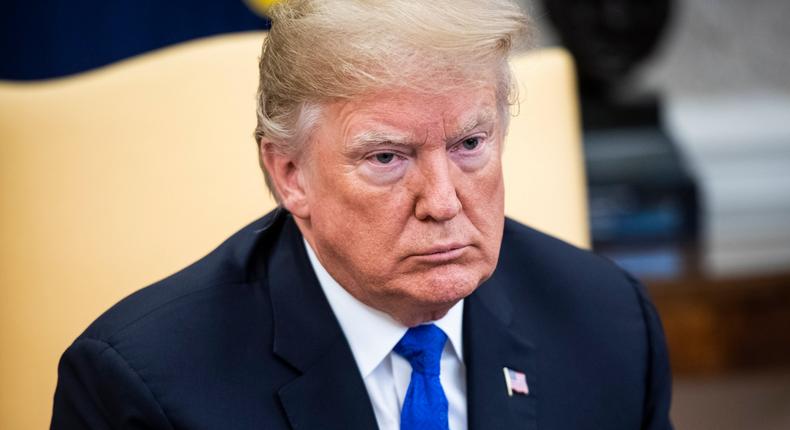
516	382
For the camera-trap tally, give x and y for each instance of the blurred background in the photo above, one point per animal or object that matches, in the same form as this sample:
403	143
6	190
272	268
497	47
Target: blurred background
686	125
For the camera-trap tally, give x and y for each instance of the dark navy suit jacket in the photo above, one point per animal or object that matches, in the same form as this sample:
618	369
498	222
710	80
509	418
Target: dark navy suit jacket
245	339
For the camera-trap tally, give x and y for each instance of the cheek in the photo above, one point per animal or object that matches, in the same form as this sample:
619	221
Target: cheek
483	200
357	222
482	193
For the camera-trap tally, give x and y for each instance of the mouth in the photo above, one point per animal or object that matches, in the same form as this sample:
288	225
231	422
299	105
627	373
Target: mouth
441	253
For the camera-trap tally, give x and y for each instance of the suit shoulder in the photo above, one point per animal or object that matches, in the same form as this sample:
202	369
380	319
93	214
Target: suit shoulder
520	239
573	291
561	268
225	269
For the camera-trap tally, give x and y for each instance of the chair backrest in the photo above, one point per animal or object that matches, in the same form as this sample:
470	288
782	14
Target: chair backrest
113	179
543	162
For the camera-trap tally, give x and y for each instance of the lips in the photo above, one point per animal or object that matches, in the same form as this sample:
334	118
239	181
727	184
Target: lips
442	253
438	249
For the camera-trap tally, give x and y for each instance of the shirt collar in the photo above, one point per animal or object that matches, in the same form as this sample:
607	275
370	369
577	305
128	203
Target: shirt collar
371	333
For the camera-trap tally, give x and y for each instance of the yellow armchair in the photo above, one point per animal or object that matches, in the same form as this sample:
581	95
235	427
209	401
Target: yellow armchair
115	178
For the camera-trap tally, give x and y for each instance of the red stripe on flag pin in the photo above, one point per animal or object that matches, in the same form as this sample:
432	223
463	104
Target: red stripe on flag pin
516	382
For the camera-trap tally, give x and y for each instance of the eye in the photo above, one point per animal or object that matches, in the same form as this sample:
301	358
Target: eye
385	167
470	143
384	157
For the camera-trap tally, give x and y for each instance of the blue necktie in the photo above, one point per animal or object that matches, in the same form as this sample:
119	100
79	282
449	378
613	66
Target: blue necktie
425	406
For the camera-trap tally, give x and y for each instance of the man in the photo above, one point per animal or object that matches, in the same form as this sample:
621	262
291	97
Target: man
387	290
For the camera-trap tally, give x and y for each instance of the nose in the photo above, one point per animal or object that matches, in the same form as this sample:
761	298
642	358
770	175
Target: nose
437	197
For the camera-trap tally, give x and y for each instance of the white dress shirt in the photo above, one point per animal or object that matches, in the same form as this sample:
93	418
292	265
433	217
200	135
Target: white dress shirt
372	335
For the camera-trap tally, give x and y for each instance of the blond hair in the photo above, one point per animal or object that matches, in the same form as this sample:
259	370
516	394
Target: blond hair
323	50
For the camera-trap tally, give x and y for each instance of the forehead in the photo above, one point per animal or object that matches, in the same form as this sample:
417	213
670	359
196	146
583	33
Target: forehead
414	111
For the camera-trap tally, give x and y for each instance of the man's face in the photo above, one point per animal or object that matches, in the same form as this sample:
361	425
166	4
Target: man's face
404	197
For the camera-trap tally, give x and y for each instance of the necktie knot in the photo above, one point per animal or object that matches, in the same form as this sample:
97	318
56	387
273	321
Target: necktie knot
422	347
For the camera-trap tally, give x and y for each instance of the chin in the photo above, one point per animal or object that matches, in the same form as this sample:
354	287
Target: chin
429	294
447	285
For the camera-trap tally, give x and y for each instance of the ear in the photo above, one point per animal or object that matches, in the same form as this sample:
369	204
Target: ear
287	173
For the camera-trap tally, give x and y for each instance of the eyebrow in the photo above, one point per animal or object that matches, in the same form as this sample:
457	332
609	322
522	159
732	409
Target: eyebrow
372	138
485	117
366	140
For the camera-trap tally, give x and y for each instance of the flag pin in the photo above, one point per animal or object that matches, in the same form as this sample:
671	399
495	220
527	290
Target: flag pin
516	382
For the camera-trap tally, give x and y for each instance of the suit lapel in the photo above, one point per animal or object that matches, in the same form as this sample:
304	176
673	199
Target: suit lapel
329	393
490	344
